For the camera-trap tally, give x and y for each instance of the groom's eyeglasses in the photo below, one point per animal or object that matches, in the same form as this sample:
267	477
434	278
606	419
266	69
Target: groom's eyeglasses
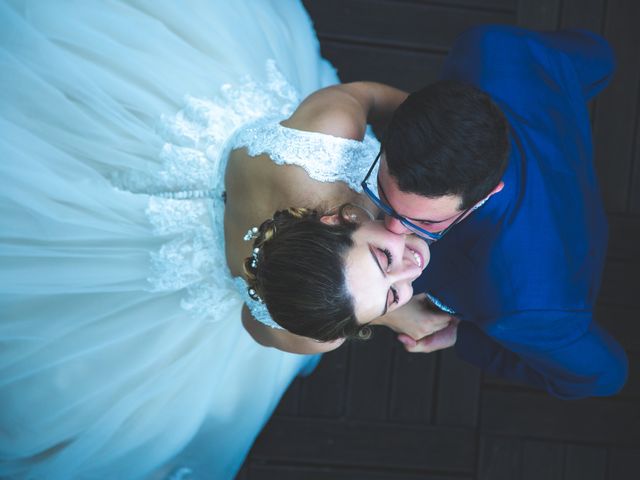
429	237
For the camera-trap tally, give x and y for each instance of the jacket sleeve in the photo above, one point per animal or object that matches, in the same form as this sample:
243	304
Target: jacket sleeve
583	364
493	56
590	55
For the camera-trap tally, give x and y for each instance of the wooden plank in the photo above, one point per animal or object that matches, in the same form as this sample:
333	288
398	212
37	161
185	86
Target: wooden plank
500	458
289	472
403	69
624	464
413	386
243	474
585	14
541	416
622	323
585	463
624	237
289	403
367	445
616	113
542	460
323	393
634	203
621	283
458	391
494	381
632	387
539	14
414	25
505	5
370	376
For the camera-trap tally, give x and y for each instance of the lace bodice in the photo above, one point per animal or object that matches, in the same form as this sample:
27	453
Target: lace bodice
186	203
325	158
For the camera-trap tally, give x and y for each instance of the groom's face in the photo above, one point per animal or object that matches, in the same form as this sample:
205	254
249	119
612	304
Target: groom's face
433	214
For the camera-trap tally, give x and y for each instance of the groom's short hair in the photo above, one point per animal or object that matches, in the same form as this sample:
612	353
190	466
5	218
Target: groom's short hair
449	138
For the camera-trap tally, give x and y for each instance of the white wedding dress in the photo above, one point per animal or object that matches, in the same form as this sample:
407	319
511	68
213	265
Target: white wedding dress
122	354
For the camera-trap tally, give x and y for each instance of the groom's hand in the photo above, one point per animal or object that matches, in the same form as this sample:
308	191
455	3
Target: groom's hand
417	319
440	340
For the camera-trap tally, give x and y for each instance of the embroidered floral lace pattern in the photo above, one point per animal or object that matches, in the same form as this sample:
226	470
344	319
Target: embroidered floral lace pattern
186	207
257	308
324	157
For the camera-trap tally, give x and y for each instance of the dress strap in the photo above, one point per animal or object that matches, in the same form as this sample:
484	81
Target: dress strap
325	158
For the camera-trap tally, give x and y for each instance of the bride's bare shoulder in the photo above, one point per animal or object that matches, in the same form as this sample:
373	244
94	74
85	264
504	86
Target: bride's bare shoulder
334	110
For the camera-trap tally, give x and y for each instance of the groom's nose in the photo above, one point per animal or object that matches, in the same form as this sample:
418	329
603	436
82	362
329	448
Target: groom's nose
394	225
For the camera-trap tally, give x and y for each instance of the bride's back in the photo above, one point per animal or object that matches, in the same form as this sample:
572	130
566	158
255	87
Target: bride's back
256	187
316	159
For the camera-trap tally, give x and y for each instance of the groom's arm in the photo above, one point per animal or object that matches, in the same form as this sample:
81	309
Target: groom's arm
376	101
590	55
503	59
587	362
345	110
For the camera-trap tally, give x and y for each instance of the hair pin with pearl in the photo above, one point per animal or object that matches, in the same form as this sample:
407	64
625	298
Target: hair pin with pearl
254	257
251	234
254	295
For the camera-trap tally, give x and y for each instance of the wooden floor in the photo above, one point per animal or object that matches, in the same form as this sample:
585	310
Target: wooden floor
372	411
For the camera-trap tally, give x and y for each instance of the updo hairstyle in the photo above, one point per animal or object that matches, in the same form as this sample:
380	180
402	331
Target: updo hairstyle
299	273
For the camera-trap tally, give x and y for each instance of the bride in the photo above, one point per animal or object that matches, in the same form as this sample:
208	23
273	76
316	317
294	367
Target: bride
145	148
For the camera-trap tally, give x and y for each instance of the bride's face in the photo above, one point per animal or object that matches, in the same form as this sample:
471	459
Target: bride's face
380	268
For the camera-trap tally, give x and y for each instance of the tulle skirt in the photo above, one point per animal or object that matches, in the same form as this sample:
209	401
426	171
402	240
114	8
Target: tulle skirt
104	372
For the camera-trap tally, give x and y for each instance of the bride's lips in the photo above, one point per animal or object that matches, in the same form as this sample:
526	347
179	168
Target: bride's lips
419	257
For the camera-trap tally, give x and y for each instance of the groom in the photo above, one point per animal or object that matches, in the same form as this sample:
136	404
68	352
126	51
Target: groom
508	175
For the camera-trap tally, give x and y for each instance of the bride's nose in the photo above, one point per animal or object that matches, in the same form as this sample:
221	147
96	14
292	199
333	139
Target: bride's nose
408	268
409	271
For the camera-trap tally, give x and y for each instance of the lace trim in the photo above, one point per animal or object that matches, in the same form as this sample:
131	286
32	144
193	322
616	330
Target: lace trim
190	259
325	158
258	309
186	208
193	156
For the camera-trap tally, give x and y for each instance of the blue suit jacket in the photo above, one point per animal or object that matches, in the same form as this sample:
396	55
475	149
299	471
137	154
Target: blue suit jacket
523	271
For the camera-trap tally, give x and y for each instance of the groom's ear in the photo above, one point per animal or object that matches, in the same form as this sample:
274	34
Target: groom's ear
498	187
330	219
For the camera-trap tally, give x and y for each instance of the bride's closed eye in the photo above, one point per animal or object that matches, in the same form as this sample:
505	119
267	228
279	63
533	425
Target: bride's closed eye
384	260
392	296
389	258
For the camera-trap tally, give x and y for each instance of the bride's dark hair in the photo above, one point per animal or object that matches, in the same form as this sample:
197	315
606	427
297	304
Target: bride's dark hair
299	273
